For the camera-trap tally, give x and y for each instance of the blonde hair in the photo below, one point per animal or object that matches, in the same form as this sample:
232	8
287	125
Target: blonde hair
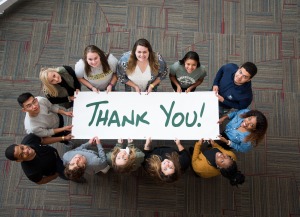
154	168
153	61
128	167
48	89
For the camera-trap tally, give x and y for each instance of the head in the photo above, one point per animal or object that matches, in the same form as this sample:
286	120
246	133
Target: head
50	77
191	61
75	168
167	171
235	177
29	103
122	161
245	73
93	57
20	153
142	51
256	123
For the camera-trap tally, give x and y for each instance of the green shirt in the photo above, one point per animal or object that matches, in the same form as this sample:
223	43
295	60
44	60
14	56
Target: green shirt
184	78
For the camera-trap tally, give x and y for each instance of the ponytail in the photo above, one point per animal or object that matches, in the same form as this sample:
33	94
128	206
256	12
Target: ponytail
236	177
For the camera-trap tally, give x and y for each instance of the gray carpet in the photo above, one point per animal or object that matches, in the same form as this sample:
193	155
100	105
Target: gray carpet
39	33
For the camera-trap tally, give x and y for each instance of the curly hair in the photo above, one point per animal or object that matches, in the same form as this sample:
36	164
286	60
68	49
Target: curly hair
129	166
48	88
154	168
257	134
103	59
74	174
236	177
153	61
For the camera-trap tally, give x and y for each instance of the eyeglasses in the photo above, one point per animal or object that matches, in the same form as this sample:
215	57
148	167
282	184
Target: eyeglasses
34	102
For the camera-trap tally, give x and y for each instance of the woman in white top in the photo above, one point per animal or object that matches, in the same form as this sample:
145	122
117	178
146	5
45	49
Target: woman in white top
97	70
141	69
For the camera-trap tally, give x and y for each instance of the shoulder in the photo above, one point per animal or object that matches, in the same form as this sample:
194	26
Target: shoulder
79	66
125	56
175	65
112	60
230	66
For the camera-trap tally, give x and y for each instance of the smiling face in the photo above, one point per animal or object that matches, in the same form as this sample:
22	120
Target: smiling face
241	76
77	161
142	53
53	77
24	153
190	65
223	160
93	59
249	123
167	167
31	106
122	158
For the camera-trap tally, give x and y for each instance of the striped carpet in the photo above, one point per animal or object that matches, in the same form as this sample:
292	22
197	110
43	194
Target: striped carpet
39	33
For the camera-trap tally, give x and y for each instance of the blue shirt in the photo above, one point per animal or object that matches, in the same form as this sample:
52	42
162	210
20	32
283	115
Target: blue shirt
235	96
237	137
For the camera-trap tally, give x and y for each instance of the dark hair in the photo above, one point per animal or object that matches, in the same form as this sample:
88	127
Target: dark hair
236	177
257	134
250	68
74	174
103	59
153	61
190	55
23	98
10	152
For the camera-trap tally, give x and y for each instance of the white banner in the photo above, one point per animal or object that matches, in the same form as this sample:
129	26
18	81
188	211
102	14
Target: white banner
159	115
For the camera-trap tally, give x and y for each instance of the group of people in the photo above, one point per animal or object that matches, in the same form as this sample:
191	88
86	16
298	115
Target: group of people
140	70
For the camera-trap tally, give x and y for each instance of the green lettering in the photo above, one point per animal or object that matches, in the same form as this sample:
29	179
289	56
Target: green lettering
179	114
168	114
194	121
141	119
125	119
96	104
100	118
114	118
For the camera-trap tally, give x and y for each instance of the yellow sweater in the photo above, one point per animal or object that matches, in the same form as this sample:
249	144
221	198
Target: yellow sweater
200	163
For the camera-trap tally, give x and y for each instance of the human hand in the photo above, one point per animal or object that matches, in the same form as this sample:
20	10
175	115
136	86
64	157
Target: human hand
94	89
188	90
223	139
222	119
97	140
109	88
68	128
68	113
68	137
220	98
137	89
77	91
147	145
177	141
215	89
120	141
179	90
129	141
201	141
149	90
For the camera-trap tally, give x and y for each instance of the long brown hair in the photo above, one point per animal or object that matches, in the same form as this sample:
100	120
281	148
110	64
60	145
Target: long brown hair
154	168
257	134
103	59
128	167
153	61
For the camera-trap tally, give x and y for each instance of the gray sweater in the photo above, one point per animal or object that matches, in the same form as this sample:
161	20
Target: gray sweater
95	162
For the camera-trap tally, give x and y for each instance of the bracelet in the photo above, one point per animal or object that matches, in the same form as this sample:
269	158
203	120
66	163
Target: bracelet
63	138
229	143
110	84
151	85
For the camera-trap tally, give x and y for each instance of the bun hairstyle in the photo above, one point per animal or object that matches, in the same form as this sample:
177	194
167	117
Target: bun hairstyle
236	177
